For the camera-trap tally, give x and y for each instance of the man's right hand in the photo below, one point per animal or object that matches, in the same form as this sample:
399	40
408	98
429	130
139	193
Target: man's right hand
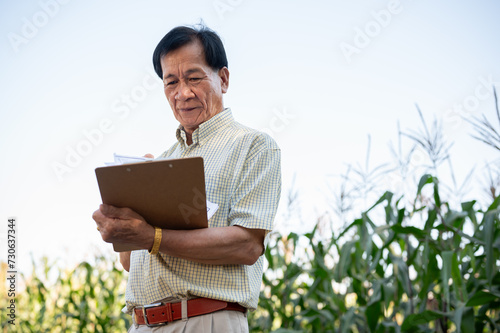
123	225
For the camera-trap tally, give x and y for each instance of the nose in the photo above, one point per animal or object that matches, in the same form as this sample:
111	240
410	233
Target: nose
184	92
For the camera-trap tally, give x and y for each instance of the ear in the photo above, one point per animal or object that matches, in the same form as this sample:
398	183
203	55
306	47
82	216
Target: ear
224	78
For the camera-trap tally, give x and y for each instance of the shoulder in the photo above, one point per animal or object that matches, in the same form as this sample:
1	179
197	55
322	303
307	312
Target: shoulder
258	141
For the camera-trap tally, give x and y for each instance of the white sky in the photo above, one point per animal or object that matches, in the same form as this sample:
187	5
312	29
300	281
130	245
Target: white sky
68	66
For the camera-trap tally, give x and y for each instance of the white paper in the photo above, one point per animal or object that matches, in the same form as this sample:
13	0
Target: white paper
211	209
124	159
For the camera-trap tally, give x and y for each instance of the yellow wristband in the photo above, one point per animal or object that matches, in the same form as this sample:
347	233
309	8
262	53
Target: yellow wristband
157	242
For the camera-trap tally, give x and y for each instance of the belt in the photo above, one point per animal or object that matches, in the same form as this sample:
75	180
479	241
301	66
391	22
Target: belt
160	314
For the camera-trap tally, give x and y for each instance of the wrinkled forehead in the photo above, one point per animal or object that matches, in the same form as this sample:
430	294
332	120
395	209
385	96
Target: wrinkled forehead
187	58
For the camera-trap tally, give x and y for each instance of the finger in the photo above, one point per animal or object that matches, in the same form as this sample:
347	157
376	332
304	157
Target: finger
97	216
110	211
149	155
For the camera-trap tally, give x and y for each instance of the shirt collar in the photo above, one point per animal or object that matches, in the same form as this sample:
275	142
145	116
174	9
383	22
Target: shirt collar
207	128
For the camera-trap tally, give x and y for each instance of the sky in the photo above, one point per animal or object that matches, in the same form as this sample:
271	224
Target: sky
321	77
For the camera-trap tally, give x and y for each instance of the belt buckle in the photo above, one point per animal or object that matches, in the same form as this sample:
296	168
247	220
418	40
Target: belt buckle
144	307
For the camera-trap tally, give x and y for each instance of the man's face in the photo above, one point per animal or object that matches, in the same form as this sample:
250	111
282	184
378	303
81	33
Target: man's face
193	89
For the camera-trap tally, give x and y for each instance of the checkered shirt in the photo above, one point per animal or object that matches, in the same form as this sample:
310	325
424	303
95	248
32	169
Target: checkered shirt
243	176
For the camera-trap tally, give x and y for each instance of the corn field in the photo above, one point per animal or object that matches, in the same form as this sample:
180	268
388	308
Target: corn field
413	261
71	300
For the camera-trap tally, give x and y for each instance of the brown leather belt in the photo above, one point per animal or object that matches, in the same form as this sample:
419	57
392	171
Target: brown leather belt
160	314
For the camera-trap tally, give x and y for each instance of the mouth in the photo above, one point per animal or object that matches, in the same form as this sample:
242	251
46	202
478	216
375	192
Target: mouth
186	109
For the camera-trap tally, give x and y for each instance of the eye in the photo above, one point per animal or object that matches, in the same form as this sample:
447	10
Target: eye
194	79
170	83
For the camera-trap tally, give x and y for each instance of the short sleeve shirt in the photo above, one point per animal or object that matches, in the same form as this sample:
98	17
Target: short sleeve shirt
243	176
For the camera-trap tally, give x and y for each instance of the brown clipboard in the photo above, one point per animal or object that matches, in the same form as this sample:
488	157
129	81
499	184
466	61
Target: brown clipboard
169	194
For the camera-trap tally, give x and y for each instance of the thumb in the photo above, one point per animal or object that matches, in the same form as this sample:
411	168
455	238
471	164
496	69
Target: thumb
149	155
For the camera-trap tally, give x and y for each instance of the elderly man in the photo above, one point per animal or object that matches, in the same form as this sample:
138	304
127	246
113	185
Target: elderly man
201	280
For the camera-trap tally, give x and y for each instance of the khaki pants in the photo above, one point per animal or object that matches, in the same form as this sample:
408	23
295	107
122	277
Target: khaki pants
216	322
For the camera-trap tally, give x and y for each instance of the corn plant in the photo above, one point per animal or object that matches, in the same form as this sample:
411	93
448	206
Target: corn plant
88	298
406	264
387	275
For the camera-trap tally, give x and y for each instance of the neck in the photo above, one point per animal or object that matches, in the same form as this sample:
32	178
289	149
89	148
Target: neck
189	138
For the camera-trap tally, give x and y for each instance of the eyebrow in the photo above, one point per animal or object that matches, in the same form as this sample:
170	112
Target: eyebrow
188	72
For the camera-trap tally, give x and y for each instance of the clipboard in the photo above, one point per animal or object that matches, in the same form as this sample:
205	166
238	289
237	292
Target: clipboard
169	194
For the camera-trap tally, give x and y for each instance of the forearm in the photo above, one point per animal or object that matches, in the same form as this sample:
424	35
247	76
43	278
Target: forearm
216	246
